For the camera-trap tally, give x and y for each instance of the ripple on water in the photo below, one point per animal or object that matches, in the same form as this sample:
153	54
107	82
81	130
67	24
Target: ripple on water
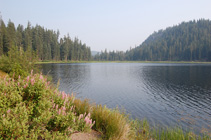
165	94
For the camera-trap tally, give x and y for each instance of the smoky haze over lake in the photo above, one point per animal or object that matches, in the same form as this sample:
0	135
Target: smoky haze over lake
164	94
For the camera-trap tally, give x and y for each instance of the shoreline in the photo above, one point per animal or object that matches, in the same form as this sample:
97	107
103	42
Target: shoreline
169	62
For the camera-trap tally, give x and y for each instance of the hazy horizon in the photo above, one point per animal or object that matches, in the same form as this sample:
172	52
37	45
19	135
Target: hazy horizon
111	25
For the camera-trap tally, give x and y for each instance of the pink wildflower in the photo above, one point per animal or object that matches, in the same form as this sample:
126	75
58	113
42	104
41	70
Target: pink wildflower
41	77
64	113
53	105
3	116
19	77
86	120
26	85
88	115
31	72
90	121
80	116
8	111
56	106
74	120
59	112
92	124
63	108
71	108
18	84
63	95
32	81
27	78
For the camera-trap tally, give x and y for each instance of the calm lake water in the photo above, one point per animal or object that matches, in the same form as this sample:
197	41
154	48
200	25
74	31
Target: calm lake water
165	94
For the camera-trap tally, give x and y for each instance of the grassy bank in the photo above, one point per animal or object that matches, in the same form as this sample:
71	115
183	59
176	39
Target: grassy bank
179	62
32	108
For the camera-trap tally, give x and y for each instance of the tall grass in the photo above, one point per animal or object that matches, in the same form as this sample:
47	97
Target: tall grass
116	125
111	123
176	134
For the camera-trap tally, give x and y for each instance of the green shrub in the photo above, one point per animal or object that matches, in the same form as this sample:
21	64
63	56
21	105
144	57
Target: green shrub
32	108
18	62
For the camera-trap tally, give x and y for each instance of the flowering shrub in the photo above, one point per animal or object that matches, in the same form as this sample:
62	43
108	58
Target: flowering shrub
32	108
84	122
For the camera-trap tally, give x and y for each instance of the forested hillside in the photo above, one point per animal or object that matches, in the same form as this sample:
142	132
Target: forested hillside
44	42
188	41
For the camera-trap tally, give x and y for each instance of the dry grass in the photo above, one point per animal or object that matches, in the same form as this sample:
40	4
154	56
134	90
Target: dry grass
111	122
2	74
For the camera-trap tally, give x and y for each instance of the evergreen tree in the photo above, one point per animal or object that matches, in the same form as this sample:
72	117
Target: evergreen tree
42	41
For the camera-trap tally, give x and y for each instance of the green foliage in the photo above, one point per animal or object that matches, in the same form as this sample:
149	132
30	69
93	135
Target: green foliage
141	129
112	123
82	106
18	62
31	108
43	42
188	41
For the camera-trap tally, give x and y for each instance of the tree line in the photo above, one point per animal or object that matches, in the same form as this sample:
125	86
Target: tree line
44	42
188	41
109	56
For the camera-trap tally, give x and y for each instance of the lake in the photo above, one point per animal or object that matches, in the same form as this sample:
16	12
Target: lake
165	94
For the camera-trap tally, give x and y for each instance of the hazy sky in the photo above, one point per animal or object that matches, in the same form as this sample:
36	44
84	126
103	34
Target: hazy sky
111	24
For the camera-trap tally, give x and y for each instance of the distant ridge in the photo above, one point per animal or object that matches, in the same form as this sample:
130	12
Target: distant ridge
188	41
